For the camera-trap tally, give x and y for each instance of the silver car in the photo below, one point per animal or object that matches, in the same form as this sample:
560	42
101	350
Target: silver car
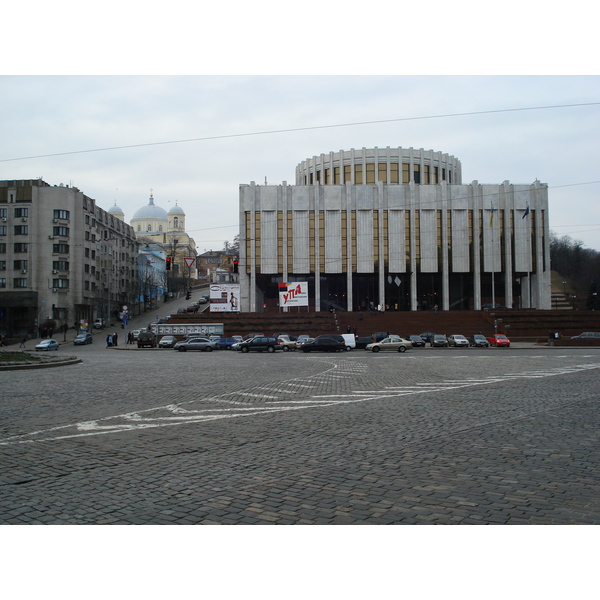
458	340
392	343
197	343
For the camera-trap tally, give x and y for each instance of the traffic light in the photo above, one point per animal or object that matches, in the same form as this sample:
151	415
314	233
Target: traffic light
169	259
235	266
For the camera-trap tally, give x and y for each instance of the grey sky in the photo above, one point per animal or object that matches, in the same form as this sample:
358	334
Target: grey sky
42	115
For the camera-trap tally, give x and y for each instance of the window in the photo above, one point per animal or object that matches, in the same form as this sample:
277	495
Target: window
160	226
2	229
382	172
417	173
63	214
358	174
20	248
2	265
61	231
405	173
20	265
2	282
149	227
60	265
59	249
2	248
20	282
394	173
60	283
3	213
21	229
21	212
86	236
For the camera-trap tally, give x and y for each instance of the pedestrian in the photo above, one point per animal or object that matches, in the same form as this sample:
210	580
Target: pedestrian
108	340
23	340
130	337
2	340
115	339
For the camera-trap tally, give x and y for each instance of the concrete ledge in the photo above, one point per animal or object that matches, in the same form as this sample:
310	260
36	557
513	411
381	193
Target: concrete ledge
43	362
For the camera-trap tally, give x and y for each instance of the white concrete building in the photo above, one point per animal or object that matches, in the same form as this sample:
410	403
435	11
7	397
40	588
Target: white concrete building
396	228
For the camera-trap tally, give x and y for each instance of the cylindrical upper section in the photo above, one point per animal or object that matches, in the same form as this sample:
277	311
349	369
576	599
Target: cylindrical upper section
388	165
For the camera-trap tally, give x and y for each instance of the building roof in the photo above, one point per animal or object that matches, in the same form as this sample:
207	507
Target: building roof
150	211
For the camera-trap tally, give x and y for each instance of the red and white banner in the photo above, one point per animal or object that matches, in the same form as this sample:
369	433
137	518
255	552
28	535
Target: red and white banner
293	294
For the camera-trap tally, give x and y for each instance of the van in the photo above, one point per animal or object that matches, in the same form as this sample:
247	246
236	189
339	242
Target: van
146	338
349	340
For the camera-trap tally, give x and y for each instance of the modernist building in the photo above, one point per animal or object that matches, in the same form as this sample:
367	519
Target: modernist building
395	228
62	258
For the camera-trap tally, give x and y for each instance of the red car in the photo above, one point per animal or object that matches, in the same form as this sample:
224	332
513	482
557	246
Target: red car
499	340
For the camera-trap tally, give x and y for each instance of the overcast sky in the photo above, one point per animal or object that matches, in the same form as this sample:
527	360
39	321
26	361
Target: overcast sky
77	114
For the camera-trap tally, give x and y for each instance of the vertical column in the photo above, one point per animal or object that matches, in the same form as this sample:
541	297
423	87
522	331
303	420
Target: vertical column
445	267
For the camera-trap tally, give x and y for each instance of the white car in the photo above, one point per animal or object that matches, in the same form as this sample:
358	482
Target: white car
391	343
458	340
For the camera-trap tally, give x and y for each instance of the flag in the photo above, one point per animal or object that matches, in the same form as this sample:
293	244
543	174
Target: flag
492	215
526	212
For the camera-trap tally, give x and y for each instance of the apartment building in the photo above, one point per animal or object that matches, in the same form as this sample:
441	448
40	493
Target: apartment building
63	259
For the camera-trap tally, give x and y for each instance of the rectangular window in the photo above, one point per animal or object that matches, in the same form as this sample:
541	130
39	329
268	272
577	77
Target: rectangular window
2	229
3	213
2	248
20	248
60	265
21	212
61	214
358	174
20	265
370	174
394	173
336	175
405	173
60	249
60	283
382	173
2	282
347	173
61	231
426	175
327	176
2	265
21	229
417	173
20	282
436	175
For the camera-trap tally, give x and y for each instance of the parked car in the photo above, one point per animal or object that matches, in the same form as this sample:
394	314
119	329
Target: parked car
438	340
249	336
349	340
293	338
325	343
380	335
196	343
417	341
285	342
136	332
499	340
427	336
363	342
167	341
260	344
304	340
457	340
587	335
225	343
83	338
478	339
146	338
47	345
99	323
392	343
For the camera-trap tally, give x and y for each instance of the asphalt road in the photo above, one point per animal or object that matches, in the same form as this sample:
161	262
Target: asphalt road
449	436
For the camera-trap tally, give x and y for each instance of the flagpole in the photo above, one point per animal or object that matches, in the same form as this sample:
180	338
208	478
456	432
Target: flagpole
493	260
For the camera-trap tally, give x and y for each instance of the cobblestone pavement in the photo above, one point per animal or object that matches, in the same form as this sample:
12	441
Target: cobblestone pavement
435	436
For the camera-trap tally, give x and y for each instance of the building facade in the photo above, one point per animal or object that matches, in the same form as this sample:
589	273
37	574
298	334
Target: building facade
394	228
63	259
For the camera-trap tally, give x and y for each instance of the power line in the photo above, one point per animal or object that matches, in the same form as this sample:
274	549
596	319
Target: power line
310	128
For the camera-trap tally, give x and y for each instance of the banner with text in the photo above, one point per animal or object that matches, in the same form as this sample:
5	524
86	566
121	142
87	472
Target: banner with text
225	297
293	294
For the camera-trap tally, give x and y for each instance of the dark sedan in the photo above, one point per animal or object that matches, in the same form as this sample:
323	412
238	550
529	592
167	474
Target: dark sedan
438	340
324	343
83	338
260	344
417	341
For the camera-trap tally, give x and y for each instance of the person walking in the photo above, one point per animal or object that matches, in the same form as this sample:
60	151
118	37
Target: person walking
115	339
23	340
108	340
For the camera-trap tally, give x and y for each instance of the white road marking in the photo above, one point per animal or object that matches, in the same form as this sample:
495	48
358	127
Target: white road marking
178	415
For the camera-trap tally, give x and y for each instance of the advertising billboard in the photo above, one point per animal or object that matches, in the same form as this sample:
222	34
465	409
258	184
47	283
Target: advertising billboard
293	294
225	297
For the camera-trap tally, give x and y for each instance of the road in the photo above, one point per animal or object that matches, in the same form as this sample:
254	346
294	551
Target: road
431	436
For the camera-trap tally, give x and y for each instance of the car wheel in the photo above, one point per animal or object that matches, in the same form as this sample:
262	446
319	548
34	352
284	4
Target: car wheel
402	349
286	349
376	349
347	348
182	349
208	349
244	349
270	349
